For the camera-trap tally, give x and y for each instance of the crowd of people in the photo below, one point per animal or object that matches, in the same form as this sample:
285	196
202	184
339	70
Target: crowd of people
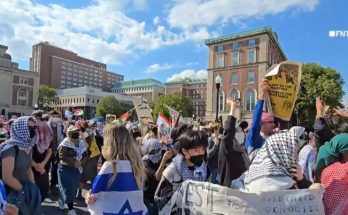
43	155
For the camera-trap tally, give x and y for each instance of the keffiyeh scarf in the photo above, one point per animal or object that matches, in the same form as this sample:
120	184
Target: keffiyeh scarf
277	156
154	148
20	135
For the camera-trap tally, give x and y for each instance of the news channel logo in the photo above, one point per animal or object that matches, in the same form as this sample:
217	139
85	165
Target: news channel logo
338	33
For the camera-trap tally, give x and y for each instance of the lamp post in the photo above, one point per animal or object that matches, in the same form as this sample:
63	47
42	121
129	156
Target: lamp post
218	84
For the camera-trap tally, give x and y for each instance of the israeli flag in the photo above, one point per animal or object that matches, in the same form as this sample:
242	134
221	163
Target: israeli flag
3	199
122	196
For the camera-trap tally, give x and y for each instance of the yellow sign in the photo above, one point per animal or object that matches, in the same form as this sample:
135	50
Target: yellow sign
284	81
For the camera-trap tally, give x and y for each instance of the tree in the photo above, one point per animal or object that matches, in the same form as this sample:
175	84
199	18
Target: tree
317	81
47	97
108	105
177	101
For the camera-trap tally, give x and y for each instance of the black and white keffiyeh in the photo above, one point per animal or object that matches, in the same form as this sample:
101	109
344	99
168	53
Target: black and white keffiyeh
154	151
20	135
198	174
277	156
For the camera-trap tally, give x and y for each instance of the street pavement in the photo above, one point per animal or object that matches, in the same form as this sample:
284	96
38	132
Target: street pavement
50	207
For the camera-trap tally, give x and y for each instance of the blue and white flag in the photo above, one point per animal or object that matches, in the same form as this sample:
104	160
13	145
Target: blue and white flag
3	199
68	114
122	196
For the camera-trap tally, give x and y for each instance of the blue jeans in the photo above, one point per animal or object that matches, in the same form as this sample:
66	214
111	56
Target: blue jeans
68	181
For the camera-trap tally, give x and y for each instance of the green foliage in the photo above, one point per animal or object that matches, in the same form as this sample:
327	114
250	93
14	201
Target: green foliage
317	81
108	105
177	101
47	97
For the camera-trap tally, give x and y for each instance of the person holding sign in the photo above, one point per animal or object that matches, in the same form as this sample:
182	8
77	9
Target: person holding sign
188	165
262	125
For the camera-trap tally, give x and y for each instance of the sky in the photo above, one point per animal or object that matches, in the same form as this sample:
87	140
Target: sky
165	39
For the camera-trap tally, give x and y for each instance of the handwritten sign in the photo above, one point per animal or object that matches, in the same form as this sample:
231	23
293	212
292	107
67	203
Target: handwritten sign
198	198
284	80
144	112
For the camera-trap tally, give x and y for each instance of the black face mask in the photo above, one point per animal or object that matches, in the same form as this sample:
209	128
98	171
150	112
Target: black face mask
75	135
32	131
197	160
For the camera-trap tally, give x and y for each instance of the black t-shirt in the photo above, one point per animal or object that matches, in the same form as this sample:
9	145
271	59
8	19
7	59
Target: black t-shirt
150	183
38	157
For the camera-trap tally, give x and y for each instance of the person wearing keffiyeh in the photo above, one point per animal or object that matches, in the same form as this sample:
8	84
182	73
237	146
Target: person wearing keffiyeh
274	165
16	159
332	172
187	165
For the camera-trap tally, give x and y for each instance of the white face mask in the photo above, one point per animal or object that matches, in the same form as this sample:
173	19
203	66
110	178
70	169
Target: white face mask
54	119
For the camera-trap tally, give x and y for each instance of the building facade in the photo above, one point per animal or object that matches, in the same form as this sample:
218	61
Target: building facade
85	98
242	61
150	89
195	89
61	69
19	88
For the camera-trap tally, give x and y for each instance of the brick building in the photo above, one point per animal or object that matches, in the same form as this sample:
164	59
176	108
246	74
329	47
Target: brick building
195	89
19	88
61	69
242	61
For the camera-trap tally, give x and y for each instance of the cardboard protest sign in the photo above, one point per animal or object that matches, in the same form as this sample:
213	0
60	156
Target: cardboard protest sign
198	198
144	112
284	81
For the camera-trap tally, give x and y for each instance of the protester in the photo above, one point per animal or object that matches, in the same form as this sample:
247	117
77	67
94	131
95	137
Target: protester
307	158
57	129
187	165
73	155
262	125
275	165
233	159
90	168
16	155
333	159
121	176
213	152
154	167
151	135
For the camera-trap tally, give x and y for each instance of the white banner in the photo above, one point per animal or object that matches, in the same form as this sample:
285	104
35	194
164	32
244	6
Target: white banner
202	198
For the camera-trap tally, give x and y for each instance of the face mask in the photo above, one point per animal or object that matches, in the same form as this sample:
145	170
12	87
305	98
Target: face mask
82	129
197	160
75	135
32	131
54	119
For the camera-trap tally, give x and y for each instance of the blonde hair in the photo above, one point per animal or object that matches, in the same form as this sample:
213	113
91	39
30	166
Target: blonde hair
118	145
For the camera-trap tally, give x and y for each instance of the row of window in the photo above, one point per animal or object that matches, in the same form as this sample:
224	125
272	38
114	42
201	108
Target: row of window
77	100
23	81
249	99
133	89
235	46
250	77
235	58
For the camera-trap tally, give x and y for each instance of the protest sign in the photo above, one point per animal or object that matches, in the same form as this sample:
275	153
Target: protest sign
144	112
198	198
284	80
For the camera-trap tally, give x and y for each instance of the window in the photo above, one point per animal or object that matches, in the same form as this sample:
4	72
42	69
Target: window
252	56
235	46
23	81
220	61
235	78
250	100
22	97
252	43
234	94
221	100
235	58
251	77
220	48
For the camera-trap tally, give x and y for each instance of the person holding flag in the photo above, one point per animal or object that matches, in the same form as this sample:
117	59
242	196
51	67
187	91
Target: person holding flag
118	186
